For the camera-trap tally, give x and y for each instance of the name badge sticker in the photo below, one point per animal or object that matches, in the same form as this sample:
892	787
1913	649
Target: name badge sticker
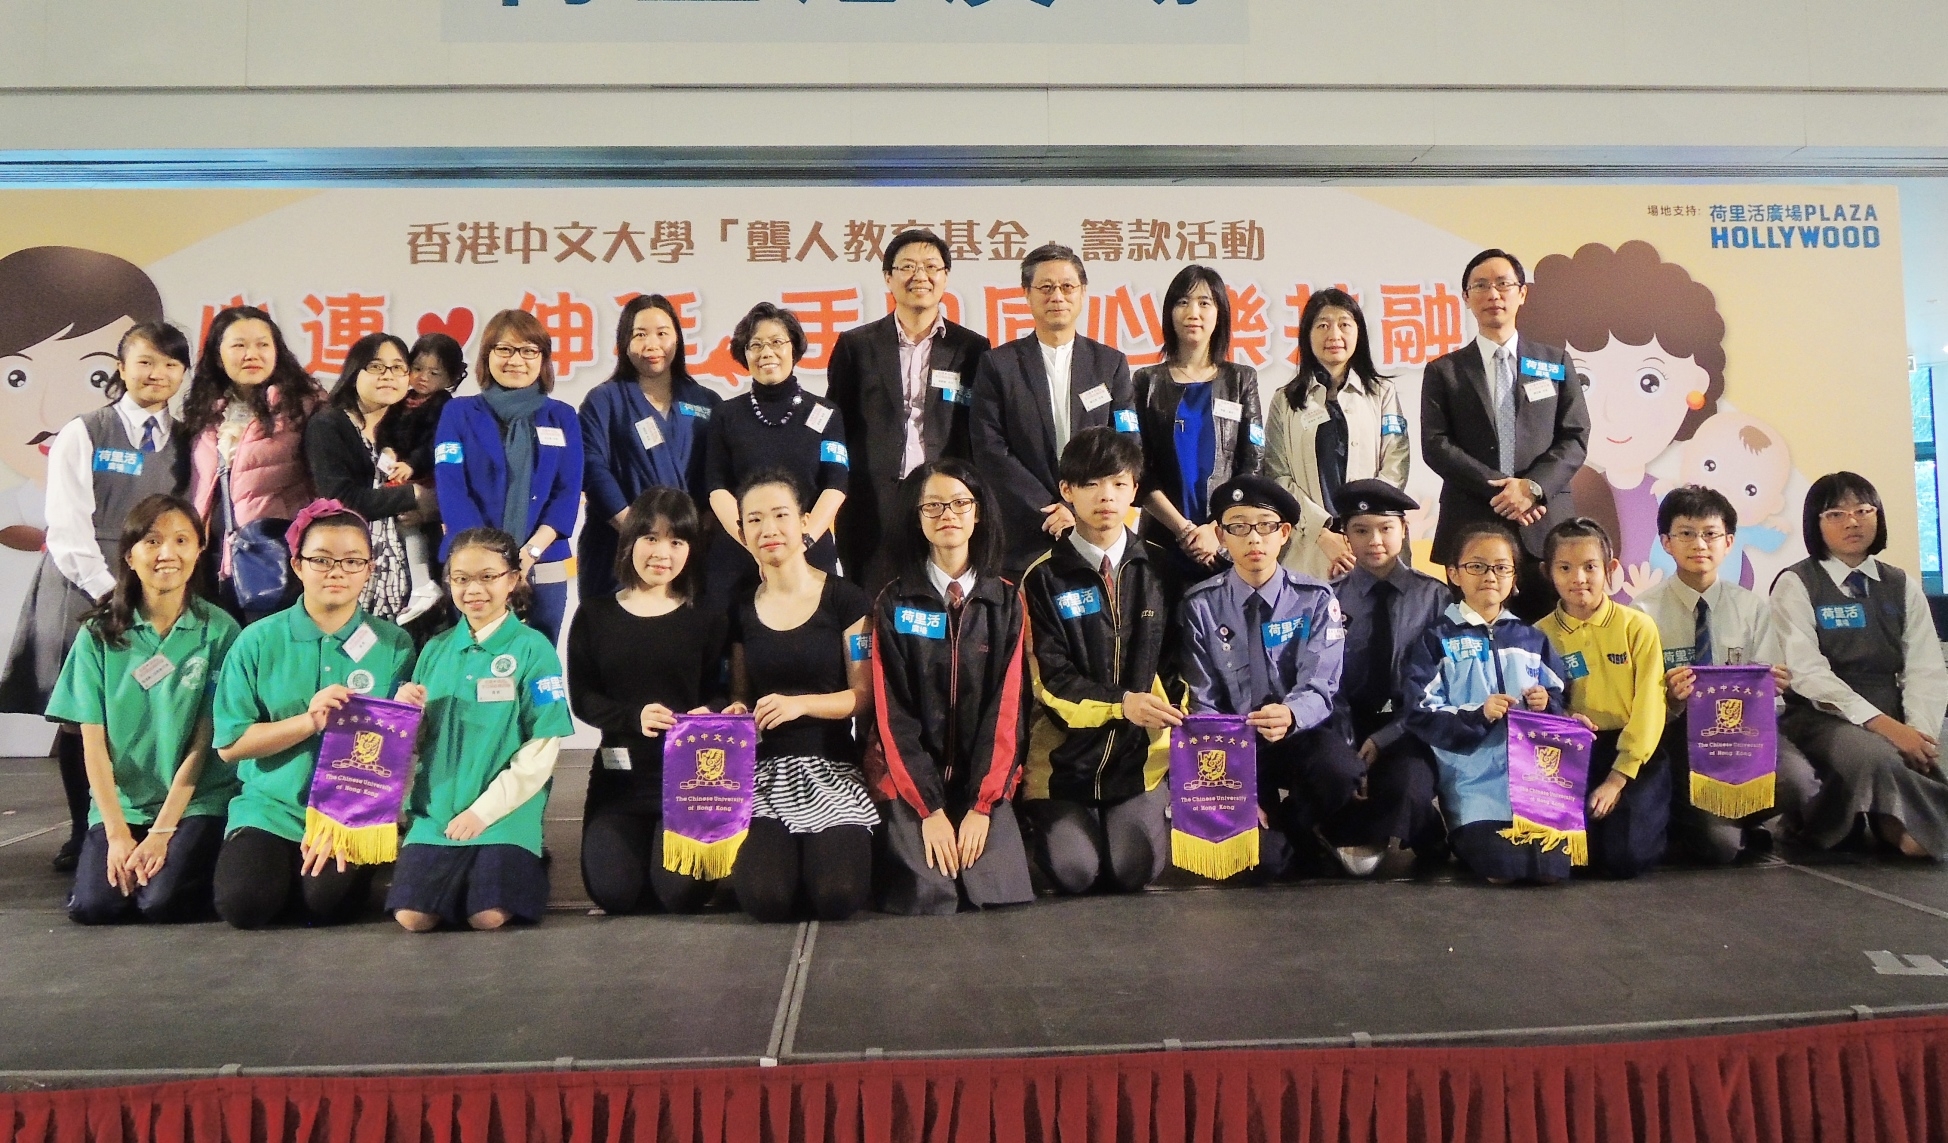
1279	632
1575	667
1549	370
449	452
1539	390
1228	410
832	452
1257	435
127	462
1842	616
1393	425
649	432
1675	657
958	396
1076	604
1125	421
360	642
153	671
692	409
859	648
616	758
818	418
1465	647
946	379
547	689
550	436
926	624
1093	399
494	690
1312	418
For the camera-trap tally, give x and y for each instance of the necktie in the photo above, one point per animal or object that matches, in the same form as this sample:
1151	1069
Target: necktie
1378	685
1108	571
149	435
955	597
1701	638
1857	584
1505	409
1256	614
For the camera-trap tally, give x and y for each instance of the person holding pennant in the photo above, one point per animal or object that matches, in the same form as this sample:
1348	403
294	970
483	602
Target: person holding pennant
1868	684
1268	643
280	685
1387	605
949	636
138	683
799	662
1035	393
1095	794
1712	626
1613	662
496	712
1470	669
636	659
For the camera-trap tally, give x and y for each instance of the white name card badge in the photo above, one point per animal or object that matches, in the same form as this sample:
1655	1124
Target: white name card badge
649	432
1229	410
946	379
360	642
1312	418
1539	390
1093	399
551	436
821	417
494	690
153	671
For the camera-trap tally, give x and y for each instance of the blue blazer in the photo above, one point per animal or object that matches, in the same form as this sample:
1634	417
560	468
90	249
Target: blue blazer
470	473
616	468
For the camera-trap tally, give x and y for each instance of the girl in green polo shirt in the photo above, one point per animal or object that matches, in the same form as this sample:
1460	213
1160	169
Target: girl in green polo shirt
496	712
283	678
138	683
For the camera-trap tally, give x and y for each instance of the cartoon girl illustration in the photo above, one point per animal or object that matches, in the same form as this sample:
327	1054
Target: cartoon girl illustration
1648	344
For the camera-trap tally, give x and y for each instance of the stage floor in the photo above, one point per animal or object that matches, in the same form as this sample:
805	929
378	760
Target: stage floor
1427	959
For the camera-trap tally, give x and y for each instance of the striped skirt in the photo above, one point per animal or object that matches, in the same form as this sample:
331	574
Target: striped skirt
810	794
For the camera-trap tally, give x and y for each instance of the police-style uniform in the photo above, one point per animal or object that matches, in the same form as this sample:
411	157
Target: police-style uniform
272	673
1385	617
149	695
496	706
1283	642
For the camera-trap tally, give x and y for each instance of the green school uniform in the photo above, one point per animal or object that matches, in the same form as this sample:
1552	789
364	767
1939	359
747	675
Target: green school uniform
275	669
470	742
150	727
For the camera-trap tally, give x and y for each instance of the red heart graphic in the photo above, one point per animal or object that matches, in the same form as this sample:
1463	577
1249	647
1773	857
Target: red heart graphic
458	324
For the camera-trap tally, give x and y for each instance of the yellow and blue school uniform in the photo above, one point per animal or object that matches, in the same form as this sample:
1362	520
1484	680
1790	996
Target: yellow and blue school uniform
1614	663
272	673
496	704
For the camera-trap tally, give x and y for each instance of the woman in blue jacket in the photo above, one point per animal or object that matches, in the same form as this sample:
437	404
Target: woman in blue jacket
511	458
646	427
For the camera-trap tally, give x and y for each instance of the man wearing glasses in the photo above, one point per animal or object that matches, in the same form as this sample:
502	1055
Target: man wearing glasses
903	385
1504	425
1034	394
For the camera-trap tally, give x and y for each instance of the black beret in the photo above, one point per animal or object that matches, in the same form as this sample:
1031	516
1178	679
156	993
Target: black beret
1371	498
1254	492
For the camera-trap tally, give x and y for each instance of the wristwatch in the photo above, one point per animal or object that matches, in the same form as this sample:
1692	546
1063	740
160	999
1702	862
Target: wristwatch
534	553
1535	490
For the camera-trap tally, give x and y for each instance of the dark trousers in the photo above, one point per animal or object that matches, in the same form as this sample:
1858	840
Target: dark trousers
1119	846
1399	801
258	883
622	867
1631	839
1486	853
180	891
910	887
829	873
1305	783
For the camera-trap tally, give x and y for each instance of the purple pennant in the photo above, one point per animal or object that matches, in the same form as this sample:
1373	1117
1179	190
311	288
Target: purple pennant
1213	777
1548	770
709	766
365	762
1734	732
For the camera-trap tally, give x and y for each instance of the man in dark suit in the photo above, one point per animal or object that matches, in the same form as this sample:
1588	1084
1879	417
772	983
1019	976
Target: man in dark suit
1503	422
903	384
1035	393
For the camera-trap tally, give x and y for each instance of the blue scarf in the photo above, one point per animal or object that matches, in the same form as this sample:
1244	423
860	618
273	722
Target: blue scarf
515	410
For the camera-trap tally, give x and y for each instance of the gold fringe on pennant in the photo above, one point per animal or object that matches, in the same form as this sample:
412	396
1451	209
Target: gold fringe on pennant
706	861
369	845
1214	859
1522	830
1729	801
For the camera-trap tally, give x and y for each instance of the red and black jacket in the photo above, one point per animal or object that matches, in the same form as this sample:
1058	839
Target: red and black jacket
948	695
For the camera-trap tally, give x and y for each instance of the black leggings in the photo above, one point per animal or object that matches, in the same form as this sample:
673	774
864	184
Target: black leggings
257	875
74	781
622	856
831	871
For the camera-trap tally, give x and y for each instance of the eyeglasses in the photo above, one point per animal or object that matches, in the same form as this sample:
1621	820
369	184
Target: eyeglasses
778	345
1863	514
381	369
484	579
1262	527
323	565
915	269
524	352
1499	286
1066	289
1687	536
1482	571
934	509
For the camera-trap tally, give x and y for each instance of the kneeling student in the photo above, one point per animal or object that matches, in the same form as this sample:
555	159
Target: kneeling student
947	647
1614	664
1703	620
496	712
1095	795
1387	606
1268	643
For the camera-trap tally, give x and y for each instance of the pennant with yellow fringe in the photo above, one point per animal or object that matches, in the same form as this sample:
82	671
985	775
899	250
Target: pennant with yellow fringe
1548	772
1732	732
709	770
1214	795
365	766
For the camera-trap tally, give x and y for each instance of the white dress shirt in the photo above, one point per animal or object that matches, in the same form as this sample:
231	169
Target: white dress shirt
1488	349
1094	555
941	579
1743	629
1924	682
916	368
1056	362
71	496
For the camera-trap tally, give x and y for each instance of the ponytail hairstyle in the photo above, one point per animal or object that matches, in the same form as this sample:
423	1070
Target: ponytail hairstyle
1577	528
508	549
115	615
160	336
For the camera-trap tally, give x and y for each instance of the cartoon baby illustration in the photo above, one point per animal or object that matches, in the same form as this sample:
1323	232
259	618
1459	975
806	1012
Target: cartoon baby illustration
62	312
1748	461
1648	344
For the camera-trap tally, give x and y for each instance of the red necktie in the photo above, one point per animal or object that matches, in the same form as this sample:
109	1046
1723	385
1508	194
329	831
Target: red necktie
1108	571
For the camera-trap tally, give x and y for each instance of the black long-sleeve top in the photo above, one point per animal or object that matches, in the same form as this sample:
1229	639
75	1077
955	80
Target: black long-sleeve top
342	468
794	430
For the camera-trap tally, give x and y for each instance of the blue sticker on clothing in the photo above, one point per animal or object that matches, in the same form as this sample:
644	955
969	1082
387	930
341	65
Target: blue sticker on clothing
448	452
688	409
1279	632
125	461
547	689
859	648
959	394
1574	666
1125	421
926	624
1257	435
1552	370
1675	657
1842	615
1462	648
1393	425
1076	604
832	452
